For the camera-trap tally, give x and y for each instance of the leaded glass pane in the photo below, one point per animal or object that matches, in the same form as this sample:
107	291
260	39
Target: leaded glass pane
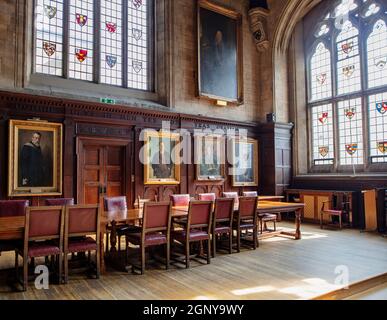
377	55
81	37
322	127
111	42
49	37
351	144
377	106
321	77
348	64
138	44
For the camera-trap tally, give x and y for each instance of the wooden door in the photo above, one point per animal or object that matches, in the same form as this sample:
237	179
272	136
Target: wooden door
103	169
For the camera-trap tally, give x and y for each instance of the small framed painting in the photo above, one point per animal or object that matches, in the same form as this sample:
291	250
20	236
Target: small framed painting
245	162
35	158
220	71
162	158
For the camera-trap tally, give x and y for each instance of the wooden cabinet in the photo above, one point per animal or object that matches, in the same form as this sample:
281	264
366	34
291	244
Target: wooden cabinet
314	199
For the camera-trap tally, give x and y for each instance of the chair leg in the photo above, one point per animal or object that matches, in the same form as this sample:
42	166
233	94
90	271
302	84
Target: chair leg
98	263
60	268
275	225
261	224
208	251
187	252
107	242
119	243
66	267
230	243
255	238
168	254
239	240
142	259
321	221
25	273
213	245
340	222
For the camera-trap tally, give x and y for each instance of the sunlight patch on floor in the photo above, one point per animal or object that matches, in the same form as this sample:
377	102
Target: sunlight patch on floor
248	291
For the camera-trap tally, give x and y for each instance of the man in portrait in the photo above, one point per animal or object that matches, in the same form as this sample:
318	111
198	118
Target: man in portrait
245	170
209	165
32	163
162	163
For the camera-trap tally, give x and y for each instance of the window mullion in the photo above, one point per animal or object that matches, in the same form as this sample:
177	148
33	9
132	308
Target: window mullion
125	43
336	142
97	42
336	135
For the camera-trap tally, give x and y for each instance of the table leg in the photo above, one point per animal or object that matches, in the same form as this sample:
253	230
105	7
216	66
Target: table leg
113	237
298	224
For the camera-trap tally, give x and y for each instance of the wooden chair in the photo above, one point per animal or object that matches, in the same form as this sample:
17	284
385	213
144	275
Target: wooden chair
155	231
117	204
60	202
233	195
264	218
207	196
222	222
246	219
139	204
81	222
11	208
180	200
196	228
43	236
325	210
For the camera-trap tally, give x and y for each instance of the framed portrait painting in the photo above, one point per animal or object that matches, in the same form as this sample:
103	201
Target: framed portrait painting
35	158
162	158
245	162
220	71
209	158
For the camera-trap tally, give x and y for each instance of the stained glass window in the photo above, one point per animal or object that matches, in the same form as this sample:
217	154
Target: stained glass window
320	65
347	86
102	41
377	55
49	37
323	146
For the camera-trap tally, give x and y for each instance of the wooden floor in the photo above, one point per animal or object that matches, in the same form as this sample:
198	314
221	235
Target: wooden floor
280	269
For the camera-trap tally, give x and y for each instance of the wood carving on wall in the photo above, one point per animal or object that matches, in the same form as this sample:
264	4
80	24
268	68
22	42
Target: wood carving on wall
100	130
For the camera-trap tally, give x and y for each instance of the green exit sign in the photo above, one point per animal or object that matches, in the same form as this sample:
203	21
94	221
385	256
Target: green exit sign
108	101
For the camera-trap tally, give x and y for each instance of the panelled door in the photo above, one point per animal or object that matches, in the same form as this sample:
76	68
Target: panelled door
102	170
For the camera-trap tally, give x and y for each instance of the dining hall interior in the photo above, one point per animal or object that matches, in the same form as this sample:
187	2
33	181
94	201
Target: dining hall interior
193	150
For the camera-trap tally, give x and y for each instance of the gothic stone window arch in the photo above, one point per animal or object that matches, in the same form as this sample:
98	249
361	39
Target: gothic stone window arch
346	59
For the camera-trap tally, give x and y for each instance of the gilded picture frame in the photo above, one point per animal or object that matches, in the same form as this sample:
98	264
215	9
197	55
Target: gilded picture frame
220	53
210	158
161	157
245	162
35	158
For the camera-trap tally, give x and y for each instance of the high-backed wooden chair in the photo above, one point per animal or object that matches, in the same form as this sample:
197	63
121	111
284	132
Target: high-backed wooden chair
207	196
60	202
196	228
326	210
113	204
155	231
247	219
81	222
43	236
233	195
180	200
139	204
222	221
11	208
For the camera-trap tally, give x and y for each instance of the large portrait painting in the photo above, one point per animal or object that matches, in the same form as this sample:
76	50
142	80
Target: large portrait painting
209	158
220	53
35	158
245	162
162	158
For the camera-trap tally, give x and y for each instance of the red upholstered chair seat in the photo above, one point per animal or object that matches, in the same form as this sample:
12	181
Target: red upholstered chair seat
42	249
180	200
222	229
151	239
247	225
195	235
82	245
268	217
